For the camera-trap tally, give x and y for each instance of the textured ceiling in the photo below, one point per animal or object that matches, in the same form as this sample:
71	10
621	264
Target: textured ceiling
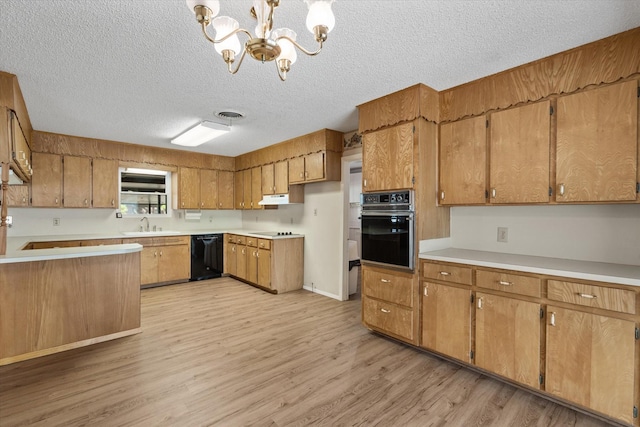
141	71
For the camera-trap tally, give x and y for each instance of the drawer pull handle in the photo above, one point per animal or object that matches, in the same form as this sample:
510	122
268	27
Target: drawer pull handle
385	281
589	296
505	283
384	310
479	303
561	189
426	290
444	273
552	319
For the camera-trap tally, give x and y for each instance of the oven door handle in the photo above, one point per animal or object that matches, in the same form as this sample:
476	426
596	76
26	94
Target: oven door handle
403	214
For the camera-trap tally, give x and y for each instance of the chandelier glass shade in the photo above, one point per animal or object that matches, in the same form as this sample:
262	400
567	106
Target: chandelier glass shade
267	44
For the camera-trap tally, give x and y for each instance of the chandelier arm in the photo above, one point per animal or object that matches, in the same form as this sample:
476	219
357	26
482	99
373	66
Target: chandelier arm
212	40
283	78
302	49
232	71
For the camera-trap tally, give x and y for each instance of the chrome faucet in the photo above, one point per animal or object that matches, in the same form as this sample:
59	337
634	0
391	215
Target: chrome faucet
145	218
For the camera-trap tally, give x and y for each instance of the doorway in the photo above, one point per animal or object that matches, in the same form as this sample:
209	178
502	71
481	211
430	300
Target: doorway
352	188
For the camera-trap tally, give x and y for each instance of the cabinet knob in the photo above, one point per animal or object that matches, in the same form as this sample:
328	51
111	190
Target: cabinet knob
493	193
561	189
24	199
113	202
588	296
444	273
442	195
160	253
552	318
257	254
201	204
504	283
86	202
56	201
385	280
183	204
480	302
233	248
426	290
364	183
220	204
155	254
384	310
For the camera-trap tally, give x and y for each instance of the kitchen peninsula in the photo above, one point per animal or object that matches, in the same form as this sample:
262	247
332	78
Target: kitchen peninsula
56	299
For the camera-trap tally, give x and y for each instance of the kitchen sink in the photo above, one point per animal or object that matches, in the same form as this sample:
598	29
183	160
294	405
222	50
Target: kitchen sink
151	233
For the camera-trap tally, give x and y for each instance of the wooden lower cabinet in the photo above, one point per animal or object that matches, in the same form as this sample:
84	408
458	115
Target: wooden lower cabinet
388	303
576	341
164	259
590	361
508	338
274	265
446	320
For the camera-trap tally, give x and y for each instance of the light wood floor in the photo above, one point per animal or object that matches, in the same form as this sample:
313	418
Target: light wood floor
223	353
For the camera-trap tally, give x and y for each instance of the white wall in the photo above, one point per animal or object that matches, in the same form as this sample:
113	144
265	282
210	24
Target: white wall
323	233
606	233
39	222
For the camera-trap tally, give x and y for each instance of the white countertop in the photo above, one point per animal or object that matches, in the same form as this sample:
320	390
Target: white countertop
587	270
16	253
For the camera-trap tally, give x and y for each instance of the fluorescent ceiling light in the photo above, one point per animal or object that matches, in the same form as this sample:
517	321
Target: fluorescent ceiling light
199	134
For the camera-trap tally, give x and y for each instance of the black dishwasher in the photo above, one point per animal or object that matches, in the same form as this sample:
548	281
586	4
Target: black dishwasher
206	256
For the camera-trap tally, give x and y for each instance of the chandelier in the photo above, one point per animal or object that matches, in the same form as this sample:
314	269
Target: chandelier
277	45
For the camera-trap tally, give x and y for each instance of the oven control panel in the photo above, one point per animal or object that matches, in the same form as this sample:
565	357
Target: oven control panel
404	198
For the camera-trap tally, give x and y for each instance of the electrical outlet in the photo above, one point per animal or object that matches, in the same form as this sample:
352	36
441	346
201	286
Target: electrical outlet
9	221
118	214
503	234
56	222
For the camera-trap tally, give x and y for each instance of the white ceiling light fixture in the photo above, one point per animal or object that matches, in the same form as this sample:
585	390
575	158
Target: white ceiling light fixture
203	132
267	45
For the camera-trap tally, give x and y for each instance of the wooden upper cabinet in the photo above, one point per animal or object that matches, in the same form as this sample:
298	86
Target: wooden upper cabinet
238	179
463	162
225	190
387	158
281	177
256	187
208	189
597	143
268	179
76	182
105	183
519	147
18	195
314	166
246	189
296	170
188	188
590	361
46	182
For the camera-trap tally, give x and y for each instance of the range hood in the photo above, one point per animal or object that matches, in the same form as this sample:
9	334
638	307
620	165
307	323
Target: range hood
276	199
294	196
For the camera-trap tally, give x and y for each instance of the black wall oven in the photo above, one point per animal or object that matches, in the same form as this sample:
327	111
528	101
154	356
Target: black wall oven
388	229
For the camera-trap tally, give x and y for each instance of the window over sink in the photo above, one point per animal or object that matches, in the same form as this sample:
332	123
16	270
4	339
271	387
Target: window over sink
144	192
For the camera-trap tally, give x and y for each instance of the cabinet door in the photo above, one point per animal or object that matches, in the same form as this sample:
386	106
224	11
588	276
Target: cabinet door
239	190
446	320
519	164
18	195
268	179
76	182
241	261
174	263
246	189
189	188
230	258
314	166
252	264
508	338
208	189
597	142
264	268
281	179
256	187
225	190
46	182
387	158
463	162
105	183
590	361
149	265
296	170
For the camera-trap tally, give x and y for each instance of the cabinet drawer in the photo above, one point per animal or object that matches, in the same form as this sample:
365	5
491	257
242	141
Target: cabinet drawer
173	240
446	273
101	242
144	241
388	318
264	244
620	300
241	240
252	241
389	287
231	238
508	282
